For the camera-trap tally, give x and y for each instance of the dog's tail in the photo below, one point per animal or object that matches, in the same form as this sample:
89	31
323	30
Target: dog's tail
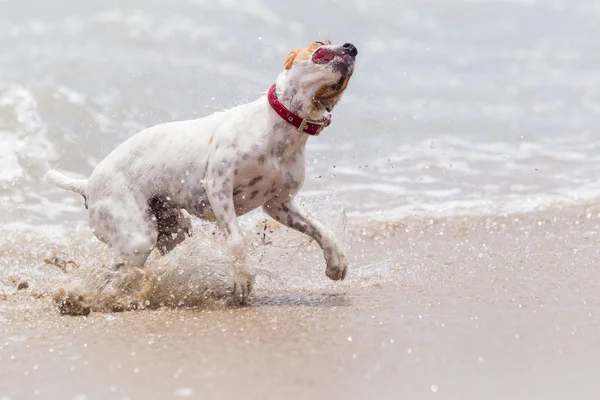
55	178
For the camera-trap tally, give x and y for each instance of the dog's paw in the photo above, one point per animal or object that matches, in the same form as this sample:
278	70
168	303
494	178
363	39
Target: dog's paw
337	265
242	285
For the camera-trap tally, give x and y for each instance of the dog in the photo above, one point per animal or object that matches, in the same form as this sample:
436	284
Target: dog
219	167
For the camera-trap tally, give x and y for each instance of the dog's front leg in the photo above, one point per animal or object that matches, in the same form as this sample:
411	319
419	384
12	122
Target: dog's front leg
220	197
289	214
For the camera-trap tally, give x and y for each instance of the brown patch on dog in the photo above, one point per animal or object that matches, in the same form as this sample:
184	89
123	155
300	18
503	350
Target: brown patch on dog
303	53
289	61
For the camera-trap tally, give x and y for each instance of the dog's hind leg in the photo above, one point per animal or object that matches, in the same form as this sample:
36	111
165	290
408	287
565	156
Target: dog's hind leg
126	226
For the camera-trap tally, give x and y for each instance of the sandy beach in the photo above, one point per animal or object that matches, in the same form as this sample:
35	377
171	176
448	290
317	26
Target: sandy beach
471	307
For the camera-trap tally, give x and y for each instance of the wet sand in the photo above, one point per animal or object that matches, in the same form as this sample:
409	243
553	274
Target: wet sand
490	307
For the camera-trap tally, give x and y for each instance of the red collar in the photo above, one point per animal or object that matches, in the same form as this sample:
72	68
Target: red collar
303	125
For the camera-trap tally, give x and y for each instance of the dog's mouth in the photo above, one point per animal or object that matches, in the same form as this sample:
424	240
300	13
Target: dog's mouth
341	61
339	84
327	96
344	65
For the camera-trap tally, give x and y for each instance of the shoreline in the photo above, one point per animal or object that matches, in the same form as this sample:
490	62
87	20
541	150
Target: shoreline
464	307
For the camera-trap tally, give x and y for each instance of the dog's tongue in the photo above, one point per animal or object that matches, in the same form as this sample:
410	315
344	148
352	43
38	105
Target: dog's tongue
323	56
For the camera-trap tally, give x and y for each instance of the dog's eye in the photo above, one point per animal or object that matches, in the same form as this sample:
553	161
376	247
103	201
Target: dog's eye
322	56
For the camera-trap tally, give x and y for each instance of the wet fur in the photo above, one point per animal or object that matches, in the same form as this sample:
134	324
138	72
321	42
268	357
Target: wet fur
216	168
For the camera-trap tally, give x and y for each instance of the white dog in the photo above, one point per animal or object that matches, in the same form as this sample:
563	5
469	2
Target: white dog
219	167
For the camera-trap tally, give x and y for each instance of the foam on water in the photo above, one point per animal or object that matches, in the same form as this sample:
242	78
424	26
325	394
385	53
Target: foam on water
455	175
10	170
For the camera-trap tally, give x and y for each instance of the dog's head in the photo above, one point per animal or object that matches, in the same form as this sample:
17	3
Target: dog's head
319	73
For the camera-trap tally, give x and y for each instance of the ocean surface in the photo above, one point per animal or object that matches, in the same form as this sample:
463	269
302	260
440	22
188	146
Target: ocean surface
460	174
455	104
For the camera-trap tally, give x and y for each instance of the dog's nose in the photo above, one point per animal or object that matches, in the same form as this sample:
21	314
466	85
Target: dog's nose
350	49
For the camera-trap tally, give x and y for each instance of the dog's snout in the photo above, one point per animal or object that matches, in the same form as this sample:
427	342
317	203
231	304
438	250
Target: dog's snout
350	49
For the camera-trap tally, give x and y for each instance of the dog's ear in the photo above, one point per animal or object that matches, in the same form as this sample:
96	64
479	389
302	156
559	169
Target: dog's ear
289	61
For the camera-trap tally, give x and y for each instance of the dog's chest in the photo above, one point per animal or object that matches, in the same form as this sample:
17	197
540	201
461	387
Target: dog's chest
256	184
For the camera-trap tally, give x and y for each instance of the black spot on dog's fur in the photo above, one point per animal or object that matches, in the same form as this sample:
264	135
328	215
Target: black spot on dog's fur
172	226
254	181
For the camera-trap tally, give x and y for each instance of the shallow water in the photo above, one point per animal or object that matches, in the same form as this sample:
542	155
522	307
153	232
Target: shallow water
459	173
